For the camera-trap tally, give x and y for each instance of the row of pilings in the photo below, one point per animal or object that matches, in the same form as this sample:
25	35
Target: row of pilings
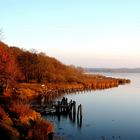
63	108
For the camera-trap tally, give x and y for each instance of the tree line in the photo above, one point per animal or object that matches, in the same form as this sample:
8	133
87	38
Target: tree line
18	65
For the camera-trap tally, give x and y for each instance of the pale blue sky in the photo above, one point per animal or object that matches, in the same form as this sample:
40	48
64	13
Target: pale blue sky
89	33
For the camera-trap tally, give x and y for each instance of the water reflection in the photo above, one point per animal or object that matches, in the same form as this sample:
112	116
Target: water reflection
110	114
79	122
67	116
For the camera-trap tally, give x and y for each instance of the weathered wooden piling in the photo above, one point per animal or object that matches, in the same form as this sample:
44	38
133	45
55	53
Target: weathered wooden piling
63	101
70	106
74	107
79	111
42	100
58	107
62	107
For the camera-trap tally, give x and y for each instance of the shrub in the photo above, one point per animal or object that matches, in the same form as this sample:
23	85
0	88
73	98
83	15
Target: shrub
6	130
24	113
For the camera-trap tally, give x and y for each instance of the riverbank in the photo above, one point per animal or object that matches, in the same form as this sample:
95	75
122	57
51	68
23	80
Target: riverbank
19	121
26	76
94	82
24	121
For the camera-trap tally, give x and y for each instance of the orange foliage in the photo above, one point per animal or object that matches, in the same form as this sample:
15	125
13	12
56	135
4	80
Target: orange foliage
6	129
9	71
24	113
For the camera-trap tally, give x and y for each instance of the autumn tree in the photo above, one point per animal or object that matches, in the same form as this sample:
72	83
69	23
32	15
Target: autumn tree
46	68
27	62
3	64
41	68
7	66
15	52
38	67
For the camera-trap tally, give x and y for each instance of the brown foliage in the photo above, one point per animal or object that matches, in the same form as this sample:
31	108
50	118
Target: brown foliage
18	65
27	64
9	71
40	130
6	129
41	68
24	113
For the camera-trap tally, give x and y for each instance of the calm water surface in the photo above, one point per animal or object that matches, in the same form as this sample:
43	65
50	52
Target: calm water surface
109	114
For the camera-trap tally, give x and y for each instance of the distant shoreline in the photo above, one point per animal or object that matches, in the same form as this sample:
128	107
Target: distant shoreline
113	70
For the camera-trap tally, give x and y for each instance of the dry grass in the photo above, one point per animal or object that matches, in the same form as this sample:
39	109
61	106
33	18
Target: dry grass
24	113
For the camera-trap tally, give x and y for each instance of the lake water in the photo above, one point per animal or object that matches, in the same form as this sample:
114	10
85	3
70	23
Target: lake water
109	114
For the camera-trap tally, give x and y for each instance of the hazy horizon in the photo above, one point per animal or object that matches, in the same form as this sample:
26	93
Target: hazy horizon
87	33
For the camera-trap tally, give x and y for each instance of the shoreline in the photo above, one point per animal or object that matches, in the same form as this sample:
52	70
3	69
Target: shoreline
33	90
24	93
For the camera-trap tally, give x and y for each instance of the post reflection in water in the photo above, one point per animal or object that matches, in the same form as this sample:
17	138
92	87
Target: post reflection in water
79	122
71	116
110	114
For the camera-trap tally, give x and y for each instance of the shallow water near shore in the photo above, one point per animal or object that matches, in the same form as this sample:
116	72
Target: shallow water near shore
109	114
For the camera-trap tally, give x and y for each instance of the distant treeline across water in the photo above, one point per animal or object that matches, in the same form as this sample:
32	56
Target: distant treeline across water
114	70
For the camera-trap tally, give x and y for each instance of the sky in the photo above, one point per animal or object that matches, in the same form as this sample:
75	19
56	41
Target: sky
87	33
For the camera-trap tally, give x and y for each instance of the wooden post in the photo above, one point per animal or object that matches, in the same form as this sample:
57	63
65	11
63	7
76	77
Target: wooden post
79	111
42	100
79	116
66	101
74	111
70	106
63	100
66	106
70	102
74	107
58	107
